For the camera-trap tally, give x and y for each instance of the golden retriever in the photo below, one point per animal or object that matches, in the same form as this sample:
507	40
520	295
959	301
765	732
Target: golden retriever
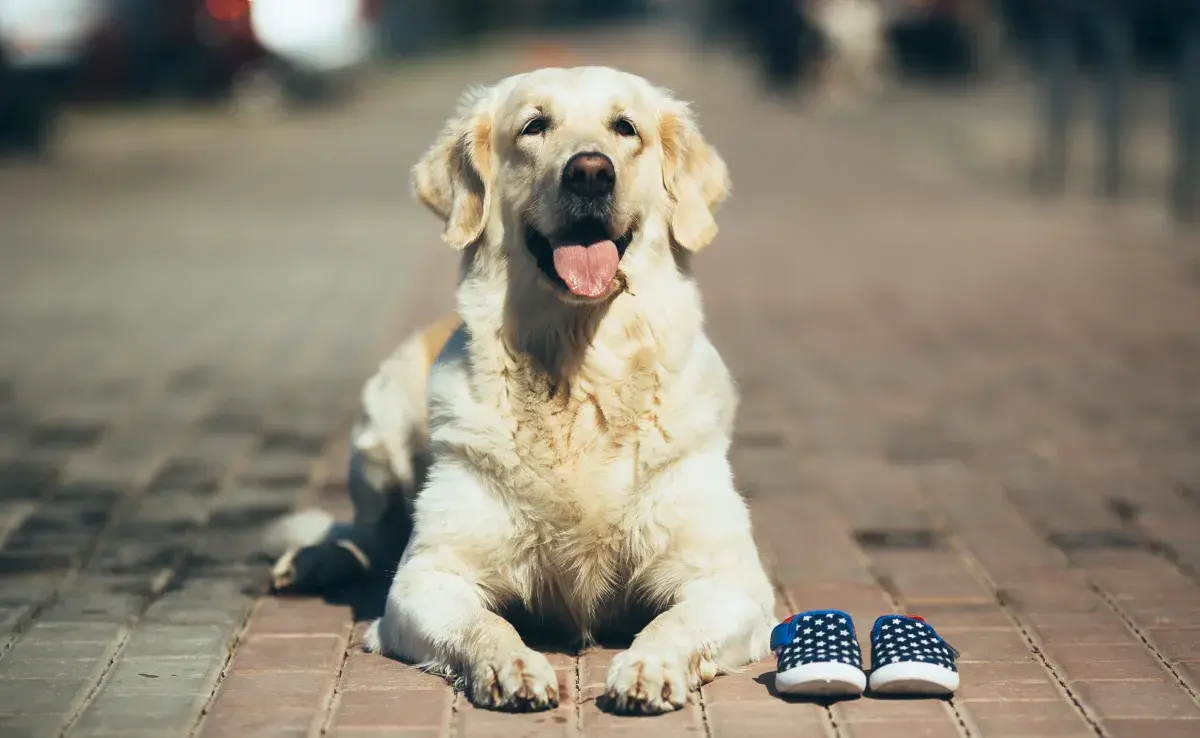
579	419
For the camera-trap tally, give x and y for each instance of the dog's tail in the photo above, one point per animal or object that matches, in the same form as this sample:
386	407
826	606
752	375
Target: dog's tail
301	528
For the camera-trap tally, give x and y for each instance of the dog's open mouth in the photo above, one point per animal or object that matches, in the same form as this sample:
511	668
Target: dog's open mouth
582	259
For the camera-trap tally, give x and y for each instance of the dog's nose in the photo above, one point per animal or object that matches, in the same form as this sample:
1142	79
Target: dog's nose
589	174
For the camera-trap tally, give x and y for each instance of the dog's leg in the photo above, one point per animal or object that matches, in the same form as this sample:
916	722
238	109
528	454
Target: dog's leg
440	609
722	606
350	553
389	453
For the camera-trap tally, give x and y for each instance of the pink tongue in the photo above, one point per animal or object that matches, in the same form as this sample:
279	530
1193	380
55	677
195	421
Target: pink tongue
587	270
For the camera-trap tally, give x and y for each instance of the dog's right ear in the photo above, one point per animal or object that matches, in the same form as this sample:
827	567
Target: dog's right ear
454	179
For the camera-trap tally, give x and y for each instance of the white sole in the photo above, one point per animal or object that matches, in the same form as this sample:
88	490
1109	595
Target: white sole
914	678
825	679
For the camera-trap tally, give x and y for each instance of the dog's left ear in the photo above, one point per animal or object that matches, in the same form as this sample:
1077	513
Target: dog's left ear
695	176
454	179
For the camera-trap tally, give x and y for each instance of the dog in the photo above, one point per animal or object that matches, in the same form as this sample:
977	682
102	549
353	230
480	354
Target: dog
560	447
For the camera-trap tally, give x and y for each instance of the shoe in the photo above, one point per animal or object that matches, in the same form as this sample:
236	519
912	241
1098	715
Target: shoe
909	657
818	655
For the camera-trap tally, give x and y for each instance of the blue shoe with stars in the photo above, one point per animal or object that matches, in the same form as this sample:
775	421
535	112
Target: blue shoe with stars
909	657
818	655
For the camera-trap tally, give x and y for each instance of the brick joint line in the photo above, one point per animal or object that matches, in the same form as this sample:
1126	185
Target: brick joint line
976	569
830	723
703	705
168	573
577	697
1129	623
899	603
455	709
120	508
1157	548
960	719
330	706
1164	549
239	635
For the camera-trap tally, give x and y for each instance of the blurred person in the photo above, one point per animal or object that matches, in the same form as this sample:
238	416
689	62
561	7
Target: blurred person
706	20
41	45
1185	186
776	29
854	35
149	35
309	48
945	37
1110	23
317	35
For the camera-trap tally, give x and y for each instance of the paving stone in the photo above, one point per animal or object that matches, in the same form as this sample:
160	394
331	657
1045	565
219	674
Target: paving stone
74	631
1158	698
30	726
169	675
106	607
32	648
288	653
991	645
129	714
944	729
42	696
1038	719
296	700
1152	728
157	640
297	616
11	616
892	710
202	601
392	709
49	668
1177	644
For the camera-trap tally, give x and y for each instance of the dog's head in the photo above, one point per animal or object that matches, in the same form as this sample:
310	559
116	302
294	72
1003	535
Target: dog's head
573	168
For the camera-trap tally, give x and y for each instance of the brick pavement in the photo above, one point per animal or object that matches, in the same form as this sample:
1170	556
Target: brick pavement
979	408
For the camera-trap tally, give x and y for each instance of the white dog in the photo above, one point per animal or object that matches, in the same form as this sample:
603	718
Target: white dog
578	418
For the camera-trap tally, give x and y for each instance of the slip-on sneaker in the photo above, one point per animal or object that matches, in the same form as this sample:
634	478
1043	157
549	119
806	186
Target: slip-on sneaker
818	655
909	657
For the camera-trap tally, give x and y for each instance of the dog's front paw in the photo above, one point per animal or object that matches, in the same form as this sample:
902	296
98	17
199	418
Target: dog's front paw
521	681
646	683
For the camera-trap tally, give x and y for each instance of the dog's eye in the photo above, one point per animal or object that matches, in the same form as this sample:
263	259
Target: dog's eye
536	127
624	127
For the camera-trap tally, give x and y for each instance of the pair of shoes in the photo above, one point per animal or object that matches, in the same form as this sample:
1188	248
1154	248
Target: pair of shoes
818	655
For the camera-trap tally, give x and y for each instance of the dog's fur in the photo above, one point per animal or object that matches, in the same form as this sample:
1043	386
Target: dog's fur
578	447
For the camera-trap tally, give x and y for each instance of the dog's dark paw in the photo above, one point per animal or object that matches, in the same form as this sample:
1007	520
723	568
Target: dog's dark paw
318	569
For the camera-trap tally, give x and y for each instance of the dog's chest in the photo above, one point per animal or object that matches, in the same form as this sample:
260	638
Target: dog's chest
583	559
594	436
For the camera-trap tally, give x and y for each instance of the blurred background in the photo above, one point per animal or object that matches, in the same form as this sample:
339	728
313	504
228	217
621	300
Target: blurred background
980	209
1125	69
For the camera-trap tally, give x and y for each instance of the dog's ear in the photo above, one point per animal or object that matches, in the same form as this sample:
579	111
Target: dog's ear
694	174
454	178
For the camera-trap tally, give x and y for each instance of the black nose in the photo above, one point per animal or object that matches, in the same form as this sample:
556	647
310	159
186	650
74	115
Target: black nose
589	175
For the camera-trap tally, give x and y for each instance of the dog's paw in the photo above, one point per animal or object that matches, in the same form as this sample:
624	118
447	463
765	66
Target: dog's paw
521	681
317	569
647	683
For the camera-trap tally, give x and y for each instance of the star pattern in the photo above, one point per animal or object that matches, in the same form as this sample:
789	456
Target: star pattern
819	636
899	638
